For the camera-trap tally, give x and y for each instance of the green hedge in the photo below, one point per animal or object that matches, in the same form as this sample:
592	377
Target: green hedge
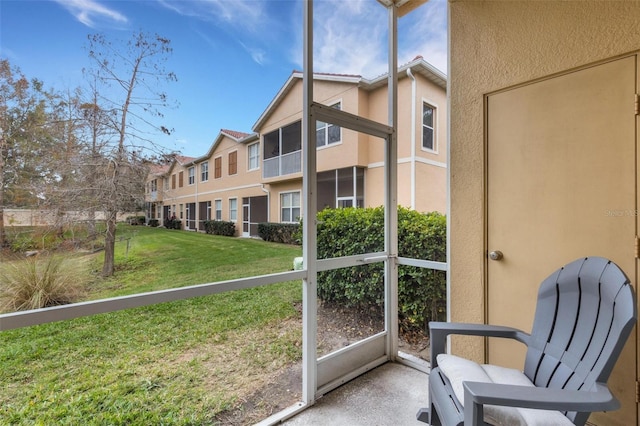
173	224
153	222
136	220
287	233
350	231
220	227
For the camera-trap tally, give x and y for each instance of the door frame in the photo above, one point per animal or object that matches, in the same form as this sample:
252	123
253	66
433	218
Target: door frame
485	275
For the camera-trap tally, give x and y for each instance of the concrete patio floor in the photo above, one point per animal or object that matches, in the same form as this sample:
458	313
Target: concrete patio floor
388	395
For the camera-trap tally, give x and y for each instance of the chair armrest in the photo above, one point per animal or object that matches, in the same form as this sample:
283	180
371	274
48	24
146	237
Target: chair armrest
477	394
438	332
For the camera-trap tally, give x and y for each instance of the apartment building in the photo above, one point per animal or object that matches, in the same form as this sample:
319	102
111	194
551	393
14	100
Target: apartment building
248	178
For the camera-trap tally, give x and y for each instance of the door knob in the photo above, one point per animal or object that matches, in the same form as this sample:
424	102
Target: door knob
496	255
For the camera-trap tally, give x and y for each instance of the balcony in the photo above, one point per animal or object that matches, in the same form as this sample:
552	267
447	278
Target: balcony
282	165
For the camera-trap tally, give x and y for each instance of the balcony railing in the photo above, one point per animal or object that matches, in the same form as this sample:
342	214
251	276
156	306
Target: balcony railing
282	165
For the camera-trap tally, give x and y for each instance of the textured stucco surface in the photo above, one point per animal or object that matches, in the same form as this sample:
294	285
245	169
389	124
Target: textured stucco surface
495	45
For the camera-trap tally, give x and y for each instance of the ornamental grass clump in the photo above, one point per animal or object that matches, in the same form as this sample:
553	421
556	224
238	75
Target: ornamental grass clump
41	282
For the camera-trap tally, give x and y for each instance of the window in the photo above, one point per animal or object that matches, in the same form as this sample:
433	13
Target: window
180	179
154	185
233	162
341	188
218	207
217	168
428	141
289	207
173	181
233	209
192	175
181	209
254	156
282	152
328	134
166	183
204	171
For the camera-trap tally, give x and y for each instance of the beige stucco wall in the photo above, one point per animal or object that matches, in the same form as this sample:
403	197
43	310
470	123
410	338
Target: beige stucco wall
327	93
278	188
244	183
430	166
355	149
493	45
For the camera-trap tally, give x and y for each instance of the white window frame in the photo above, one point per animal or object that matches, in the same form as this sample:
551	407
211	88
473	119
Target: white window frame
233	212
218	209
253	158
433	127
320	125
191	172
291	207
204	171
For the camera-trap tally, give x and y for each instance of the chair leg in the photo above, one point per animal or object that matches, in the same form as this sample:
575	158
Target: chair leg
423	415
429	416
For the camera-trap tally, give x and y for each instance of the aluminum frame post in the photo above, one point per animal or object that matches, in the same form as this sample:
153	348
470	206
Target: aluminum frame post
391	193
309	195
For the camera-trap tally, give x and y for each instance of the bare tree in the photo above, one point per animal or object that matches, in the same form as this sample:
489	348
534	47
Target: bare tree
131	74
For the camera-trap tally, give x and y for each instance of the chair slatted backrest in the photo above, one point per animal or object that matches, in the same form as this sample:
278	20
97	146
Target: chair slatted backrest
584	314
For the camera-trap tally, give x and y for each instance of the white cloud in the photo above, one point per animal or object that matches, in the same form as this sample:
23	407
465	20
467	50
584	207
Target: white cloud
248	21
247	15
89	12
351	36
425	33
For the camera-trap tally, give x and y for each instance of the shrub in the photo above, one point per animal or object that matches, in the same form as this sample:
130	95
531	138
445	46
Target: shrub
173	224
287	233
23	241
220	227
153	222
41	282
350	231
136	220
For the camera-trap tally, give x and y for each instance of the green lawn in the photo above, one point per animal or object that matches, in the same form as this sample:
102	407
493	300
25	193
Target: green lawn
176	363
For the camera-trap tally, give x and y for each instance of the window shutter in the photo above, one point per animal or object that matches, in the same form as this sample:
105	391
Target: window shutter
218	167
233	162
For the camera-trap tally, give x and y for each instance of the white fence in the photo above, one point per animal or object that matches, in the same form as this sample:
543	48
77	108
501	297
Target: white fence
26	217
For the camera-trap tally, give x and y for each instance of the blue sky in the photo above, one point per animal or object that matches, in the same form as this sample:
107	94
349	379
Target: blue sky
231	56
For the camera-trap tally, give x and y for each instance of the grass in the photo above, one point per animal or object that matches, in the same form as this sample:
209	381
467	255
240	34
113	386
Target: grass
41	282
179	363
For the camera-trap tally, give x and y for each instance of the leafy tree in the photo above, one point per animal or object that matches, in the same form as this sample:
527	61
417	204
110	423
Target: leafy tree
24	138
130	99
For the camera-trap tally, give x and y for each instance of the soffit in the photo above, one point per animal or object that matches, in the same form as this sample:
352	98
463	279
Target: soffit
404	6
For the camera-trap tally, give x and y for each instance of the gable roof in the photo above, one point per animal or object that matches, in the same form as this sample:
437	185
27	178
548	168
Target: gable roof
236	136
418	65
181	160
158	169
